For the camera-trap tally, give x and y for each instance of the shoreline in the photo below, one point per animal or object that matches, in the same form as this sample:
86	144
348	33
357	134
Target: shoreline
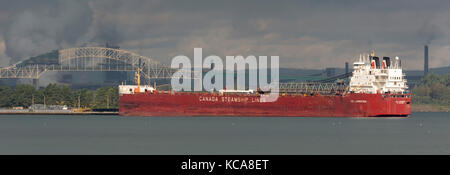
414	108
428	108
59	113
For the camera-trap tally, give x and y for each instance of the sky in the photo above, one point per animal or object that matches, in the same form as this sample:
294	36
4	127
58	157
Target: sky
304	34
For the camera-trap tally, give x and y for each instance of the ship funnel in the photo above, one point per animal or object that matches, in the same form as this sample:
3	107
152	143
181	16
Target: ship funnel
377	62
346	67
387	60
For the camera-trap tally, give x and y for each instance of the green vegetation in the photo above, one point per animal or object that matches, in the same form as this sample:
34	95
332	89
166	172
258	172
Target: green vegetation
48	58
433	89
53	94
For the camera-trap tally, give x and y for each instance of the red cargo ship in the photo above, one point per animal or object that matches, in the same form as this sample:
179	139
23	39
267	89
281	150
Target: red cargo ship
375	89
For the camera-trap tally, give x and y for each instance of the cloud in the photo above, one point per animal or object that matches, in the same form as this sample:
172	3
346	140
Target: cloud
4	59
439	56
307	34
35	32
314	35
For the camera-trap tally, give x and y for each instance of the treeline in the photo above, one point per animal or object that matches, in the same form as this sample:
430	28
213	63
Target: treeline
432	89
25	95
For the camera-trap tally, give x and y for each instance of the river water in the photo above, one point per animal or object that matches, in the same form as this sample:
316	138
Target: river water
420	133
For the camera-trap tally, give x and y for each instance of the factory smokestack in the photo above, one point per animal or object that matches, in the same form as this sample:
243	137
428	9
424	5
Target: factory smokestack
346	67
425	66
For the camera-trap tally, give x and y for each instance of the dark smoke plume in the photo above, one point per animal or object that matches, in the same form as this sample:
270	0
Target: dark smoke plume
36	32
63	24
429	32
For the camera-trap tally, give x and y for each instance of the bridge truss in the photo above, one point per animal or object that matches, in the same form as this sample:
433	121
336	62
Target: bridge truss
313	87
88	59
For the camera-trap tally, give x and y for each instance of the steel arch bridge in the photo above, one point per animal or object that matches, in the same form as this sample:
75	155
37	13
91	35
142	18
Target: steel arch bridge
87	59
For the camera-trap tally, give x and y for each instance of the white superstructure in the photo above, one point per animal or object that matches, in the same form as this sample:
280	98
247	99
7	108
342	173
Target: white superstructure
132	89
224	91
374	75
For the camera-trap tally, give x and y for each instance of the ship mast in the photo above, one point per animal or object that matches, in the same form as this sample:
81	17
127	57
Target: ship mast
138	81
138	77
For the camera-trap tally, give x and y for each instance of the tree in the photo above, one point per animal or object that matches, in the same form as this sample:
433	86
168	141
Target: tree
437	91
23	95
58	95
106	97
5	97
86	98
433	89
53	94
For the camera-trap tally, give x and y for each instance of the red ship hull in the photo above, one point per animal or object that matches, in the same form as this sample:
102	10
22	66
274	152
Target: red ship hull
207	104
